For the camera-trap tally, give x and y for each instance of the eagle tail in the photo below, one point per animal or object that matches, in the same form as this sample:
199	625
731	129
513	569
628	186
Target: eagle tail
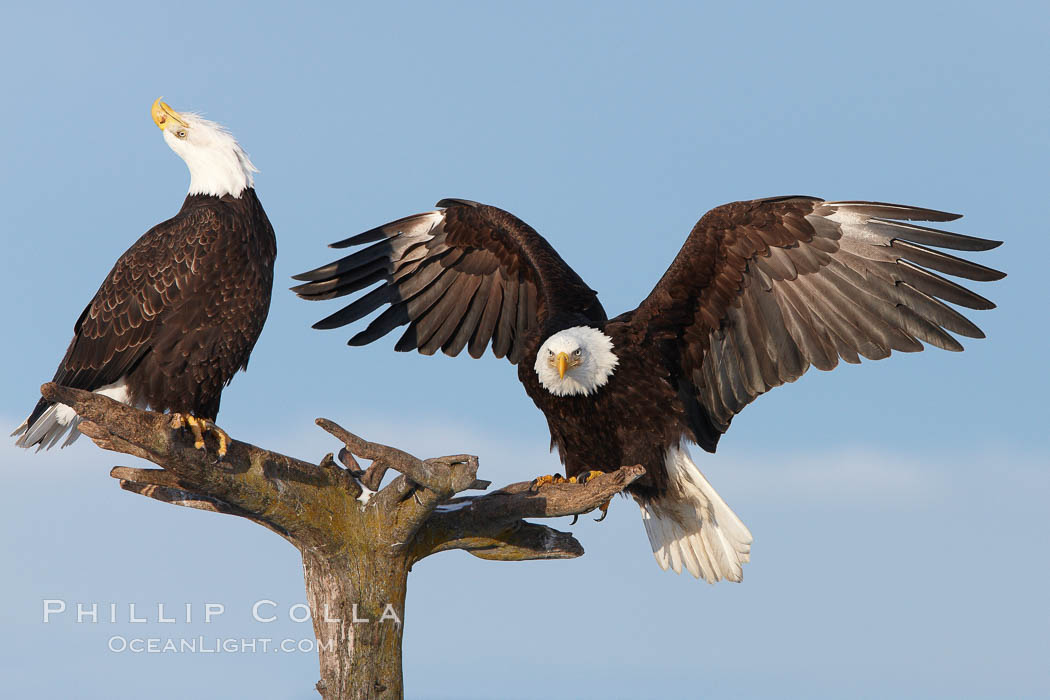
47	425
691	526
48	422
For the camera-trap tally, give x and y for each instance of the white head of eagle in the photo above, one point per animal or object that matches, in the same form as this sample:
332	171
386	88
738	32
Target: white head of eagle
575	361
218	165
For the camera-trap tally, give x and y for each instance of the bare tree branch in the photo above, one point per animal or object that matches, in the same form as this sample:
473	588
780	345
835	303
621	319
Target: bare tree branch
462	520
158	485
519	542
277	489
357	545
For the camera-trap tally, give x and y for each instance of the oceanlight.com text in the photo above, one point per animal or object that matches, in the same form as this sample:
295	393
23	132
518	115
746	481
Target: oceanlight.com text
216	645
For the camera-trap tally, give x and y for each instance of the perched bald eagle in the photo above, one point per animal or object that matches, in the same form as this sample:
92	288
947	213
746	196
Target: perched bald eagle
181	310
761	291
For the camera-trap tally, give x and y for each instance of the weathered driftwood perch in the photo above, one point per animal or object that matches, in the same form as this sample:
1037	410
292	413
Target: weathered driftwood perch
358	539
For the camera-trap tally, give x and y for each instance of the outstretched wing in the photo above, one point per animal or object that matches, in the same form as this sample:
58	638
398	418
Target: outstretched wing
764	289
460	276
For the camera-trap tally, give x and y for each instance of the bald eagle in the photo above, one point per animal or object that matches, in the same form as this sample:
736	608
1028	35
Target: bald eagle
761	291
181	310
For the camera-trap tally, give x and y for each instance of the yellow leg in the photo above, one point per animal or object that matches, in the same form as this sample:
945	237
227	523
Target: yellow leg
185	420
220	435
199	426
197	430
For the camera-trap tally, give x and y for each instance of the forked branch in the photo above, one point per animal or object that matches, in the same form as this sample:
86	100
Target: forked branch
358	537
319	505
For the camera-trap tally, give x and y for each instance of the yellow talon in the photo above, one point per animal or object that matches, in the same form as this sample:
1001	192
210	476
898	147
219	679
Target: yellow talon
583	479
224	439
199	426
550	479
604	508
559	479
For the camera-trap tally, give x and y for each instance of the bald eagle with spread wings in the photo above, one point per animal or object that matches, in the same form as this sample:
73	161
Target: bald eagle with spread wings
761	291
181	310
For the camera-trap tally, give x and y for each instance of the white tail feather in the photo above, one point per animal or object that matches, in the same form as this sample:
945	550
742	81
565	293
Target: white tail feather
48	429
692	526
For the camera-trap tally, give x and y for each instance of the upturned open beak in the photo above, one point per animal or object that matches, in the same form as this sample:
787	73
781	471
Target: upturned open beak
562	361
163	114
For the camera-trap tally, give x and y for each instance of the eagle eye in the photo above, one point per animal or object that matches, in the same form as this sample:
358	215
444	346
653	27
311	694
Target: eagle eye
577	352
181	133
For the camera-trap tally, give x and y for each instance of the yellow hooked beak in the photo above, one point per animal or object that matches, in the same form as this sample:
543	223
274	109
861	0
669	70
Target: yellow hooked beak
162	113
562	361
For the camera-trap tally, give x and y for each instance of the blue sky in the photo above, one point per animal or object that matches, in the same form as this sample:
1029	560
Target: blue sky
898	507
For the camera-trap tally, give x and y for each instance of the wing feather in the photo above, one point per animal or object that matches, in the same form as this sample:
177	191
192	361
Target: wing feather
449	313
469	321
117	328
504	335
487	325
764	289
466	275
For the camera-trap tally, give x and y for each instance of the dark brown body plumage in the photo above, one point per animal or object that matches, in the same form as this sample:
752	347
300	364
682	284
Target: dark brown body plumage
630	420
760	291
180	311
